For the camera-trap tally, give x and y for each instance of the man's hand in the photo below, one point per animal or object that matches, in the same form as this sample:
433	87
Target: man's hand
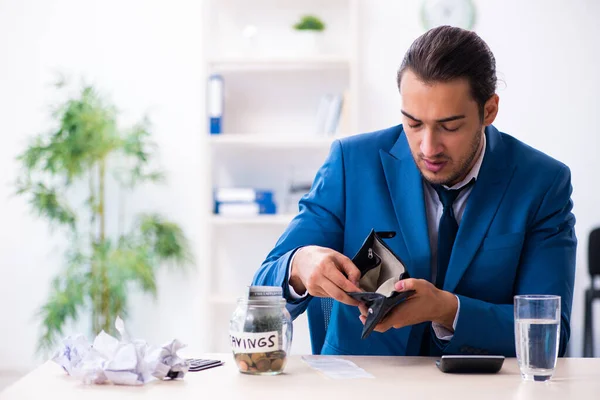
324	273
427	304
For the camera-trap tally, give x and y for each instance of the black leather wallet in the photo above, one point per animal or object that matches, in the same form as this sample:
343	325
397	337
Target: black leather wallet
380	269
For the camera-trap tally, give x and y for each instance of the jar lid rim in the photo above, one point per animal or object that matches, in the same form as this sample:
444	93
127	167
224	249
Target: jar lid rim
263	300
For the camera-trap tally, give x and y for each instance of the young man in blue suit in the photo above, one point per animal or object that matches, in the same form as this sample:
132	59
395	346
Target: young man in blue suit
479	216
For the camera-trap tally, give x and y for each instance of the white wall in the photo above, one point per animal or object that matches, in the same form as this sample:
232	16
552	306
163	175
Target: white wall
147	56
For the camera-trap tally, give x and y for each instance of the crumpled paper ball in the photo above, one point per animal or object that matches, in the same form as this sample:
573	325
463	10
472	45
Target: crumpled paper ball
122	362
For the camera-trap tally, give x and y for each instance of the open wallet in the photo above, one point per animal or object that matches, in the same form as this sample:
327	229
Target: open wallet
380	269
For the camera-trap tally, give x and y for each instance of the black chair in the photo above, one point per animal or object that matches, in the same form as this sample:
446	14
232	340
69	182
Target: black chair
592	292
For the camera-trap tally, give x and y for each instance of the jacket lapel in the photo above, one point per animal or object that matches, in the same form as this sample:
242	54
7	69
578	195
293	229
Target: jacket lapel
486	196
406	190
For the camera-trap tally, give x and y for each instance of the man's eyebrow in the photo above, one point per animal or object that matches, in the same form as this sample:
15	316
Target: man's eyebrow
452	118
410	116
447	119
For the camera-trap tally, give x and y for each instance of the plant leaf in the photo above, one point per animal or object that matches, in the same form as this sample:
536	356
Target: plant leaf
165	238
67	298
133	262
138	151
47	203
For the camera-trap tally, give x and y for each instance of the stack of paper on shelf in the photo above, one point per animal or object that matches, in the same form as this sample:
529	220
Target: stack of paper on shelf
243	201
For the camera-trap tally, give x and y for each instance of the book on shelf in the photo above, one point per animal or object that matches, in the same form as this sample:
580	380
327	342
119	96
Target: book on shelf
332	107
344	124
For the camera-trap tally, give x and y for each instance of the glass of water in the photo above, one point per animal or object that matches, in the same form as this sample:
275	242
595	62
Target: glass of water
537	335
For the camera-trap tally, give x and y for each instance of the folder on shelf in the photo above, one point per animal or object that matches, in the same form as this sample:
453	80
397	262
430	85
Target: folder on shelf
215	103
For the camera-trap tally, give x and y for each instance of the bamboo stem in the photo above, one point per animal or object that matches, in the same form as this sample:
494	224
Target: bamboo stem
105	309
121	221
93	266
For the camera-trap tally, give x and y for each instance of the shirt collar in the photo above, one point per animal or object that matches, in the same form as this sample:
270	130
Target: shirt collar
472	175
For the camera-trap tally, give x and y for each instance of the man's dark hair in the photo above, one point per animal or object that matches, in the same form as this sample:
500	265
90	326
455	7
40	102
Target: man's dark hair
446	53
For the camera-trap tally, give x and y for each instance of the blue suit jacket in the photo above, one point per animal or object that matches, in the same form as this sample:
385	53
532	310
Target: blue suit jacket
516	237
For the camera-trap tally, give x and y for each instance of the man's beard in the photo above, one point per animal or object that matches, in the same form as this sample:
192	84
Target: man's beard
464	165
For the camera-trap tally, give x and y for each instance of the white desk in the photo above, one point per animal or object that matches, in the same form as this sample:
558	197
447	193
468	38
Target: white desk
406	378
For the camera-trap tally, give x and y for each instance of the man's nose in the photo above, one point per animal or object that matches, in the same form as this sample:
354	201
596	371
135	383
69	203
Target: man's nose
430	144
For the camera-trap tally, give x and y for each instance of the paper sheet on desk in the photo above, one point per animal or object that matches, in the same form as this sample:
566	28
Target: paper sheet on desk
336	368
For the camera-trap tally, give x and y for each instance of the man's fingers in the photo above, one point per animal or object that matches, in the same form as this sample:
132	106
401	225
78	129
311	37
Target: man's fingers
318	292
405	285
384	325
364	310
337	293
336	276
395	319
348	268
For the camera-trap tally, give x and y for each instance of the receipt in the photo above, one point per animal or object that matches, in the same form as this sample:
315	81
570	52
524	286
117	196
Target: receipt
336	368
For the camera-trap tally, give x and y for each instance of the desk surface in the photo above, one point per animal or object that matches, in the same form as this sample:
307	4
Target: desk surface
395	377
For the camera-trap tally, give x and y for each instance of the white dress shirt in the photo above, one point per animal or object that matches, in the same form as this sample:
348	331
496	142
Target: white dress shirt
434	210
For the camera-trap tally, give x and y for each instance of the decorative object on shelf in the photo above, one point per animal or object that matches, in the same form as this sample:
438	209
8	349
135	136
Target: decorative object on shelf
102	262
215	103
459	13
308	35
261	331
310	23
249	36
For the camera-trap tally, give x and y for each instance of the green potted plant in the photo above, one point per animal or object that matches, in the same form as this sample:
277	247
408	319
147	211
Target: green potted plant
77	177
308	34
310	23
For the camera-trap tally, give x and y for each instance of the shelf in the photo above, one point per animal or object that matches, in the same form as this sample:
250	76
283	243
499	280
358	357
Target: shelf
233	64
274	219
272	141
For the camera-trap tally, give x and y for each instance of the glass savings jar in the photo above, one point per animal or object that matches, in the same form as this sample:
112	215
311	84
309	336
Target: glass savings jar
260	331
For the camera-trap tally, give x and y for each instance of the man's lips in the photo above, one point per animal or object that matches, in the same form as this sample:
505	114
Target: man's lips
434	166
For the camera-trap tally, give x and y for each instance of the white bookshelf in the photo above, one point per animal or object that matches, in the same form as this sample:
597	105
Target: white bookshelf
271	141
276	220
243	64
271	99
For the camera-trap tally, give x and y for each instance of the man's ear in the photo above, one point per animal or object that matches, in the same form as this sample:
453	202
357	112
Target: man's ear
490	110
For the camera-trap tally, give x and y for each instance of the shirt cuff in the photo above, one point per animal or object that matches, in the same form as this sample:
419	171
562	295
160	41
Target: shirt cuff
440	331
293	294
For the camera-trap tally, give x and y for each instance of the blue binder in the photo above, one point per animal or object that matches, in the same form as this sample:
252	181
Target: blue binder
215	103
